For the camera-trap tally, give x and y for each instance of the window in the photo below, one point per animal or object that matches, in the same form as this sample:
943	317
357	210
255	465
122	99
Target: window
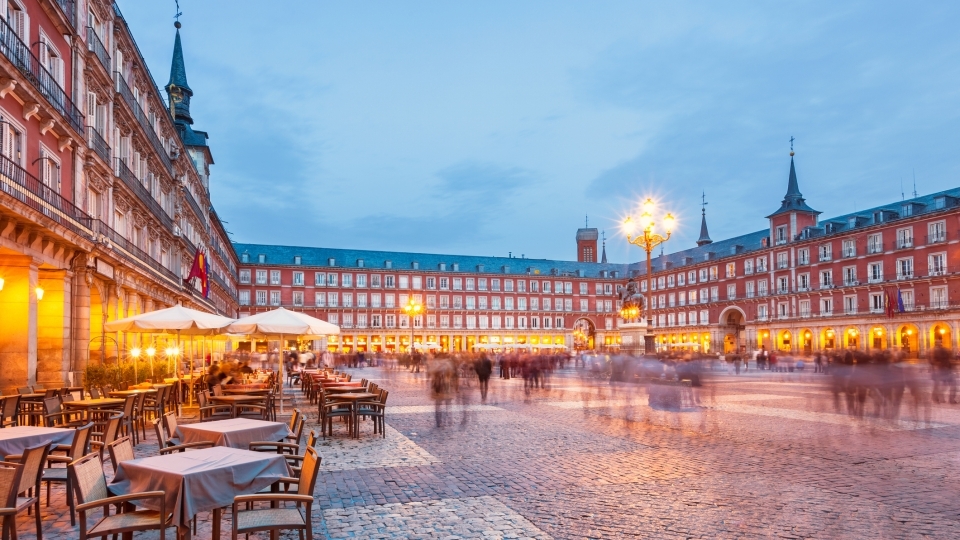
457	284
731	270
347	299
331	280
361	280
681	279
826	306
274	298
404	282
762	264
783	260
826	279
458	321
521	304
417	282
346	280
347	320
521	286
704	316
905	268
876	303
431	321
495	285
472	321
608	306
583	288
905	238
431	301
298	298
375	280
704	298
444	302
508	303
319	279
376	320
714	294
482	302
692	297
546	287
389	321
803	256
261	277
245	276
444	283
748	266
558	322
404	321
471	302
244	298
298	278
703	275
731	291
907	297
783	285
692	277
375	300
936	232
875	272
780	235
672	299
682	299
534	322
481	284
333	318
495	302
389	282
875	243
320	299
431	283
937	264
444	321
826	252
849	248
762	312
534	304
762	287
333	299
670	280
850	276
274	277
661	282
850	305
457	302
783	310
804	308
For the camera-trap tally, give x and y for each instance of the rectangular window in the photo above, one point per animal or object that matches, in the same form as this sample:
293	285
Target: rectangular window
732	291
938	297
375	280
274	277
936	232
244	298
682	299
558	322
457	302
298	298
583	289
361	280
534	304
692	297
521	304
875	272
876	303
444	321
333	299
389	300
762	312
714	294
274	298
471	302
245	276
482	302
680	279
444	302
444	283
546	304
849	248
762	287
905	268
347	320
546	287
375	300
389	321
907	297
319	279
671	299
508	303
472	321
783	310
875	243
495	285
431	283
403	282
375	320
608	305
534	286
850	305
750	289
670	281
826	252
783	260
495	302
803	282
704	316
457	284
783	285
937	264
534	322
748	267
850	276
431	301
261	277
431	321
298	278
826	306
333	318
905	238
781	235
417	282
361	320
731	270
568	304
481	284
521	286
347	299
320	299
458	321
389	282
346	280
804	308
826	279
331	280
803	256
762	264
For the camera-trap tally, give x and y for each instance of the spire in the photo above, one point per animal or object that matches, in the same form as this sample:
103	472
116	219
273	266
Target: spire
178	91
793	201
603	258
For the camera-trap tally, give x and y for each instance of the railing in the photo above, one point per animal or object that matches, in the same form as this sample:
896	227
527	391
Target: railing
875	247
848	253
96	47
875	279
825	258
134	107
936	238
849	311
28	189
193	204
905	244
99	145
908	275
143	194
850	283
136	254
782	265
29	65
69	8
828	285
803	262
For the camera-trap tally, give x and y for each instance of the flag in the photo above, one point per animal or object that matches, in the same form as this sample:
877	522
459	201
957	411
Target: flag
899	301
205	281
887	304
200	270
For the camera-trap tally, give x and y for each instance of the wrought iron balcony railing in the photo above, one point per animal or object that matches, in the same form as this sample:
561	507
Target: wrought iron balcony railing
19	54
114	239
99	145
143	194
69	8
138	113
193	205
31	191
96	47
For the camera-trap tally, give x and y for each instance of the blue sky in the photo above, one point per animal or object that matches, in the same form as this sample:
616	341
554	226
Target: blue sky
493	127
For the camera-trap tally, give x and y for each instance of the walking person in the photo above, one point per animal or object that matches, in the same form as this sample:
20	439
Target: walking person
484	368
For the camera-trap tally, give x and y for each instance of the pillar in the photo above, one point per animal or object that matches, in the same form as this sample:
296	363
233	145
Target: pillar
53	327
18	318
80	332
113	313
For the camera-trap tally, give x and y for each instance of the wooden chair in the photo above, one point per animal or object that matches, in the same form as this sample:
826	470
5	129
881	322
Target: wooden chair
330	409
128	423
209	411
120	450
10	411
94	392
297	421
253	519
153	406
162	436
58	475
100	440
139	419
10	476
32	460
90	484
375	410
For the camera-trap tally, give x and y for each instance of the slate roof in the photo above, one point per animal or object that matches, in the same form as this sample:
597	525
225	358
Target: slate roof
178	71
793	201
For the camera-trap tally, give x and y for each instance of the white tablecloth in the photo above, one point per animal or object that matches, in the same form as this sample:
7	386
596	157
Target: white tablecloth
199	480
13	440
235	432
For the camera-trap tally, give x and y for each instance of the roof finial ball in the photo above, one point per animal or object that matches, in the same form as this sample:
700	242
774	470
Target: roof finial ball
177	25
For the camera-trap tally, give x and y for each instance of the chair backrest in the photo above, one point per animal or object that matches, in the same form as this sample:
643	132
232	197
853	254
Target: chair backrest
94	392
51	405
10	407
308	472
294	418
170	423
141	398
203	398
120	450
217	390
25	390
130	402
10	474
50	392
298	431
89	482
33	460
312	439
81	441
161	435
383	396
112	429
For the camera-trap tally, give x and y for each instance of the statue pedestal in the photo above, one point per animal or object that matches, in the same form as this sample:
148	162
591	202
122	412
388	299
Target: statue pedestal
633	337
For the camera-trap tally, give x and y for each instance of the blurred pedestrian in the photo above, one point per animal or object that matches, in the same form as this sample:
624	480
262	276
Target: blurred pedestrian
484	368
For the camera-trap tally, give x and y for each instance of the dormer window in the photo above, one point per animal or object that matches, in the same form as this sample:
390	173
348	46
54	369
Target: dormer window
781	235
296	259
261	258
245	257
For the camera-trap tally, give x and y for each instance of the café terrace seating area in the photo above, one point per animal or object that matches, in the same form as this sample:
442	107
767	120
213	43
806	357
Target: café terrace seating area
88	462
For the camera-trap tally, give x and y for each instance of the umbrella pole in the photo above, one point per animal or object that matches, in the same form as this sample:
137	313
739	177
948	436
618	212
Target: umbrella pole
190	391
281	373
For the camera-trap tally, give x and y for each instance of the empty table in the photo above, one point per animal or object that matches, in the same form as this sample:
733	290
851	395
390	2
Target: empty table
235	401
234	433
200	480
13	440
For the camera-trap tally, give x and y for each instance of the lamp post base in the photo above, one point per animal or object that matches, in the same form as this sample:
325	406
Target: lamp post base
633	338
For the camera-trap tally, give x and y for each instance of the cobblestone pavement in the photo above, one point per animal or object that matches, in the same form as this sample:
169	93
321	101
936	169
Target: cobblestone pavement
764	455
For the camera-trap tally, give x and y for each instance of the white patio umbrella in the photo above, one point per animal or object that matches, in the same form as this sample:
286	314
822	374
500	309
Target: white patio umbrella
175	319
282	322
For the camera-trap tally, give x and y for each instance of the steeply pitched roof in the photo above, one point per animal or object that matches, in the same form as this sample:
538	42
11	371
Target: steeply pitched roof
178	71
793	201
704	235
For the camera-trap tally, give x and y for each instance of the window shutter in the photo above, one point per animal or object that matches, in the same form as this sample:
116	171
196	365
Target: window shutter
91	108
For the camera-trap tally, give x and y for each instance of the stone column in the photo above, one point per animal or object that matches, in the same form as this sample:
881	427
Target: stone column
53	327
81	321
113	313
18	319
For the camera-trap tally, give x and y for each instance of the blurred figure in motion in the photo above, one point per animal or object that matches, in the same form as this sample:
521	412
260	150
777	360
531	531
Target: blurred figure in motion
441	378
943	376
484	368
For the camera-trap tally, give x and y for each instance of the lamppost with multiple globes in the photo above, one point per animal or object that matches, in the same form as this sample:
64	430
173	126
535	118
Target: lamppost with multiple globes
642	232
412	309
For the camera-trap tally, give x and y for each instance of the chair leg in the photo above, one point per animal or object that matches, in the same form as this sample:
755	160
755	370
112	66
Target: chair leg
73	512
36	510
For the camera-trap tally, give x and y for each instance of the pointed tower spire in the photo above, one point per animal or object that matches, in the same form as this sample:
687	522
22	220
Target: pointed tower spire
178	91
704	235
603	257
793	201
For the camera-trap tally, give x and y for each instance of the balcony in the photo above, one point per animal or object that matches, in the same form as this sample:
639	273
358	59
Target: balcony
850	311
33	71
827	285
874	247
95	46
69	8
99	145
29	190
138	113
194	206
803	261
938	271
905	243
781	265
849	253
936	238
114	240
850	283
134	184
875	279
907	275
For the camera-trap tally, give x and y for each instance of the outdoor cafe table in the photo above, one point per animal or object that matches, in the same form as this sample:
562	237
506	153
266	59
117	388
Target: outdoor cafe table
345	390
200	480
353	399
234	433
14	440
235	401
246	391
131	392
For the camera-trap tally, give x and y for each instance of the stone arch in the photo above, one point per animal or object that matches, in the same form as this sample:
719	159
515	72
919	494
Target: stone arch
940	335
584	334
877	338
733	325
851	337
785	340
908	337
829	339
805	341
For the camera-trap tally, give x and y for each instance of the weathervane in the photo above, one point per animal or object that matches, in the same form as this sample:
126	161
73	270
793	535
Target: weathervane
703	202
179	13
791	144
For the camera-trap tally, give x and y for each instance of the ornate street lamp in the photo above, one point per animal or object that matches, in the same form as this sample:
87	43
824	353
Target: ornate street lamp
412	309
642	232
